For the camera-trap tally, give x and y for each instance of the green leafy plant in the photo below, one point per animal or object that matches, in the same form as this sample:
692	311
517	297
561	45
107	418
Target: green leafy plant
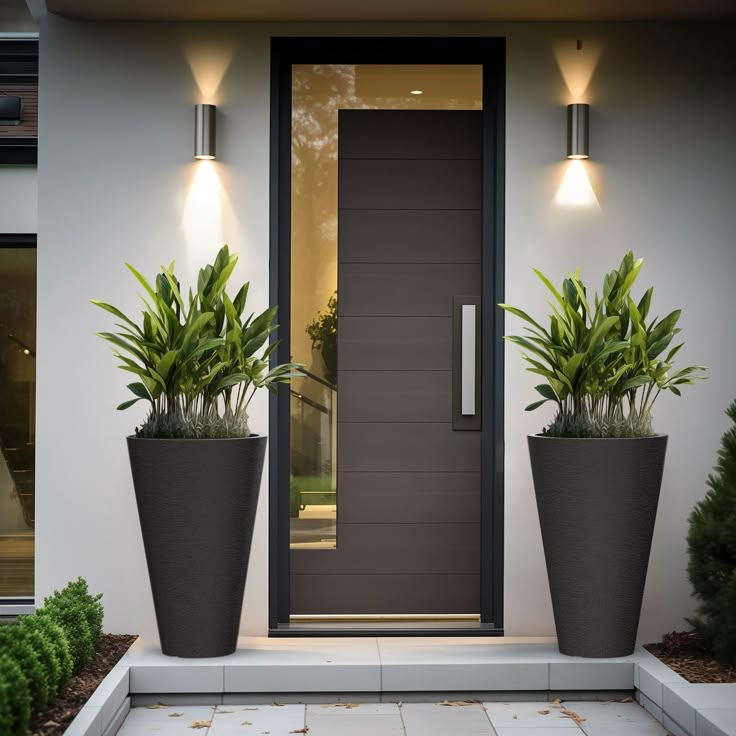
712	552
605	362
196	356
323	333
15	698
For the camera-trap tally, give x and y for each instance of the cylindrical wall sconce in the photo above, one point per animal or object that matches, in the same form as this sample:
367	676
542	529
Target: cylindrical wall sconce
577	131
204	131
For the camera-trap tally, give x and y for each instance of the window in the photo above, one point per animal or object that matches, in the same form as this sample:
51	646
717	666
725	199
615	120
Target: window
17	415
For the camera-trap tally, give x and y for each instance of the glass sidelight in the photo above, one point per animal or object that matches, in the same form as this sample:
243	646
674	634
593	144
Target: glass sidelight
319	92
17	420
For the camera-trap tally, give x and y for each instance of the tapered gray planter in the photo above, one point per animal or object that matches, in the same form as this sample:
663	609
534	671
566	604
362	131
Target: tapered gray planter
597	502
197	503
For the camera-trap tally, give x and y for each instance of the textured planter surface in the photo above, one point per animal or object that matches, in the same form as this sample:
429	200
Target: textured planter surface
197	503
597	502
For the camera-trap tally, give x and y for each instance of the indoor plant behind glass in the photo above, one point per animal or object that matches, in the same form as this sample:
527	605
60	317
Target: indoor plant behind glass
323	332
196	466
597	467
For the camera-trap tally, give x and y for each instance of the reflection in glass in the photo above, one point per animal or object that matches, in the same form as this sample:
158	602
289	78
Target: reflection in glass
319	92
17	420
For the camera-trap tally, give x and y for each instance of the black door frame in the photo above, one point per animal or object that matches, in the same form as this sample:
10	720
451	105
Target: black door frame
491	54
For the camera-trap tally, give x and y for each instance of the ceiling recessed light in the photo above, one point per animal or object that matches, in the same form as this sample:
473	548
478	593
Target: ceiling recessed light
417	92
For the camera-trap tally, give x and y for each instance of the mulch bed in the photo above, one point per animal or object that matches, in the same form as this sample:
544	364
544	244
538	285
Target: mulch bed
55	720
686	654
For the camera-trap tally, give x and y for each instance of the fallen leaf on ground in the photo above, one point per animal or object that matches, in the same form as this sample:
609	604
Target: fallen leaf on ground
246	723
175	715
249	709
556	701
572	715
543	712
226	711
347	706
50	724
300	730
278	705
157	706
201	724
458	703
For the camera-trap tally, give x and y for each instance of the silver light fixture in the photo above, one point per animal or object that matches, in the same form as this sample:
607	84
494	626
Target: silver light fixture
577	131
9	109
204	131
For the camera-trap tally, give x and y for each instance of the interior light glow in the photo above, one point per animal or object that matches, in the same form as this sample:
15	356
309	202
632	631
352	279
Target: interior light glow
417	92
575	189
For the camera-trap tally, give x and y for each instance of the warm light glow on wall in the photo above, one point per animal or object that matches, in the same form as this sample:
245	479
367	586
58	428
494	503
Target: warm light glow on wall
202	220
577	65
575	189
209	61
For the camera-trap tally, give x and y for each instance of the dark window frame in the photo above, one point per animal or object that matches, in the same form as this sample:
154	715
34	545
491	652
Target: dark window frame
491	54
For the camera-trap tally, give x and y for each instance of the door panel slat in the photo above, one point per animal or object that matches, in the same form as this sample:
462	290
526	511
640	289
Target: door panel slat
392	549
395	396
409	236
404	290
401	447
395	134
413	497
394	343
395	184
377	594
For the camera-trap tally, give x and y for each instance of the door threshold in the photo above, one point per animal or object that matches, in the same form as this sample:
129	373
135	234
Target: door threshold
391	626
385	618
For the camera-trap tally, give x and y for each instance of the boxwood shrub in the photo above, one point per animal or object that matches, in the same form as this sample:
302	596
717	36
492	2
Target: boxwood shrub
39	653
15	698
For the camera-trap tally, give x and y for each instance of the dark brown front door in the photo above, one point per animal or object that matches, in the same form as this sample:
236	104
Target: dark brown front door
408	483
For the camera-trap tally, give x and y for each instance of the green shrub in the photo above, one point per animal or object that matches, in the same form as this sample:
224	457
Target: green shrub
39	653
55	647
69	613
80	616
17	643
712	552
15	698
78	591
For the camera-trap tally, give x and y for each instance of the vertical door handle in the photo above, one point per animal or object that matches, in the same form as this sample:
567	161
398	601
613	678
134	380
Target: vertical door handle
467	360
466	371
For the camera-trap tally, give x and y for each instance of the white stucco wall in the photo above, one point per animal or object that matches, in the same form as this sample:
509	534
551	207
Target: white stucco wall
117	185
18	199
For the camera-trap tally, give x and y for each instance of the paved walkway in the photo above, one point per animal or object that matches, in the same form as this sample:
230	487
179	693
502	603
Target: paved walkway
571	718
